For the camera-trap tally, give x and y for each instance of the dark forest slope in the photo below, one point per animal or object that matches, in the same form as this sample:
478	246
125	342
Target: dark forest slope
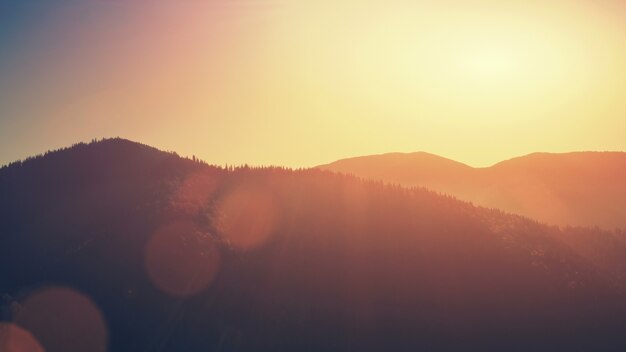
167	254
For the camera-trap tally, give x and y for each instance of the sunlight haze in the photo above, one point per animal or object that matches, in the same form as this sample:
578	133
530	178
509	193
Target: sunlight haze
302	83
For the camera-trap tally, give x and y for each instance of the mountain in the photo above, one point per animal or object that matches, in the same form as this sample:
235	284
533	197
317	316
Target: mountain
406	169
117	246
579	189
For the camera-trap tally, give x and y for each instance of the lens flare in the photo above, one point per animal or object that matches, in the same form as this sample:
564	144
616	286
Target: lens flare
63	319
15	339
247	217
194	193
182	260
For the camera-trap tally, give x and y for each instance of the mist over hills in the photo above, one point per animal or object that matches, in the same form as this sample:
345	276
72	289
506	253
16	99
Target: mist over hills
580	188
136	249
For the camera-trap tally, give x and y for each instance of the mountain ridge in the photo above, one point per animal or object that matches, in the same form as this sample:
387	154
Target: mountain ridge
175	253
577	188
512	159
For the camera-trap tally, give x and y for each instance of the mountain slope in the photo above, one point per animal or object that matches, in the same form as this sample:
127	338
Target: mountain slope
408	169
583	188
142	250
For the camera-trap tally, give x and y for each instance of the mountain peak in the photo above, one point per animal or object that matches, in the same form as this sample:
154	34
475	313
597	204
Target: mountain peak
582	158
577	188
398	158
150	239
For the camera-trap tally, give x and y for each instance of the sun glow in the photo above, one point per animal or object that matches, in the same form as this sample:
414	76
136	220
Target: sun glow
452	77
494	65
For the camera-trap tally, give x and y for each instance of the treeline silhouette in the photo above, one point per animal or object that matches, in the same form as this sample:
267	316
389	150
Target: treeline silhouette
178	255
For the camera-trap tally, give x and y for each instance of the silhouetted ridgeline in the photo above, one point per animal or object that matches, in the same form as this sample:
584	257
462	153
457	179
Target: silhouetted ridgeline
580	188
117	246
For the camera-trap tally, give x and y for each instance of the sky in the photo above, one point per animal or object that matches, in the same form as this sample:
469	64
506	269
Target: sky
300	83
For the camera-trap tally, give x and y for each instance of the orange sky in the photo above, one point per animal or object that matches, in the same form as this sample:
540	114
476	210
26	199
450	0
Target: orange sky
300	83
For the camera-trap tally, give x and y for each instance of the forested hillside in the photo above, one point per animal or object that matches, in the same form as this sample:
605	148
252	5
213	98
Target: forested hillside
117	246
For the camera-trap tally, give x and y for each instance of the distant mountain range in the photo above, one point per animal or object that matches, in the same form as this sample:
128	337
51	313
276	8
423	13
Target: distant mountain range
582	188
117	246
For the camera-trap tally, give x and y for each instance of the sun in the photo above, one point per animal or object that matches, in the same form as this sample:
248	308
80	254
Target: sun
493	64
